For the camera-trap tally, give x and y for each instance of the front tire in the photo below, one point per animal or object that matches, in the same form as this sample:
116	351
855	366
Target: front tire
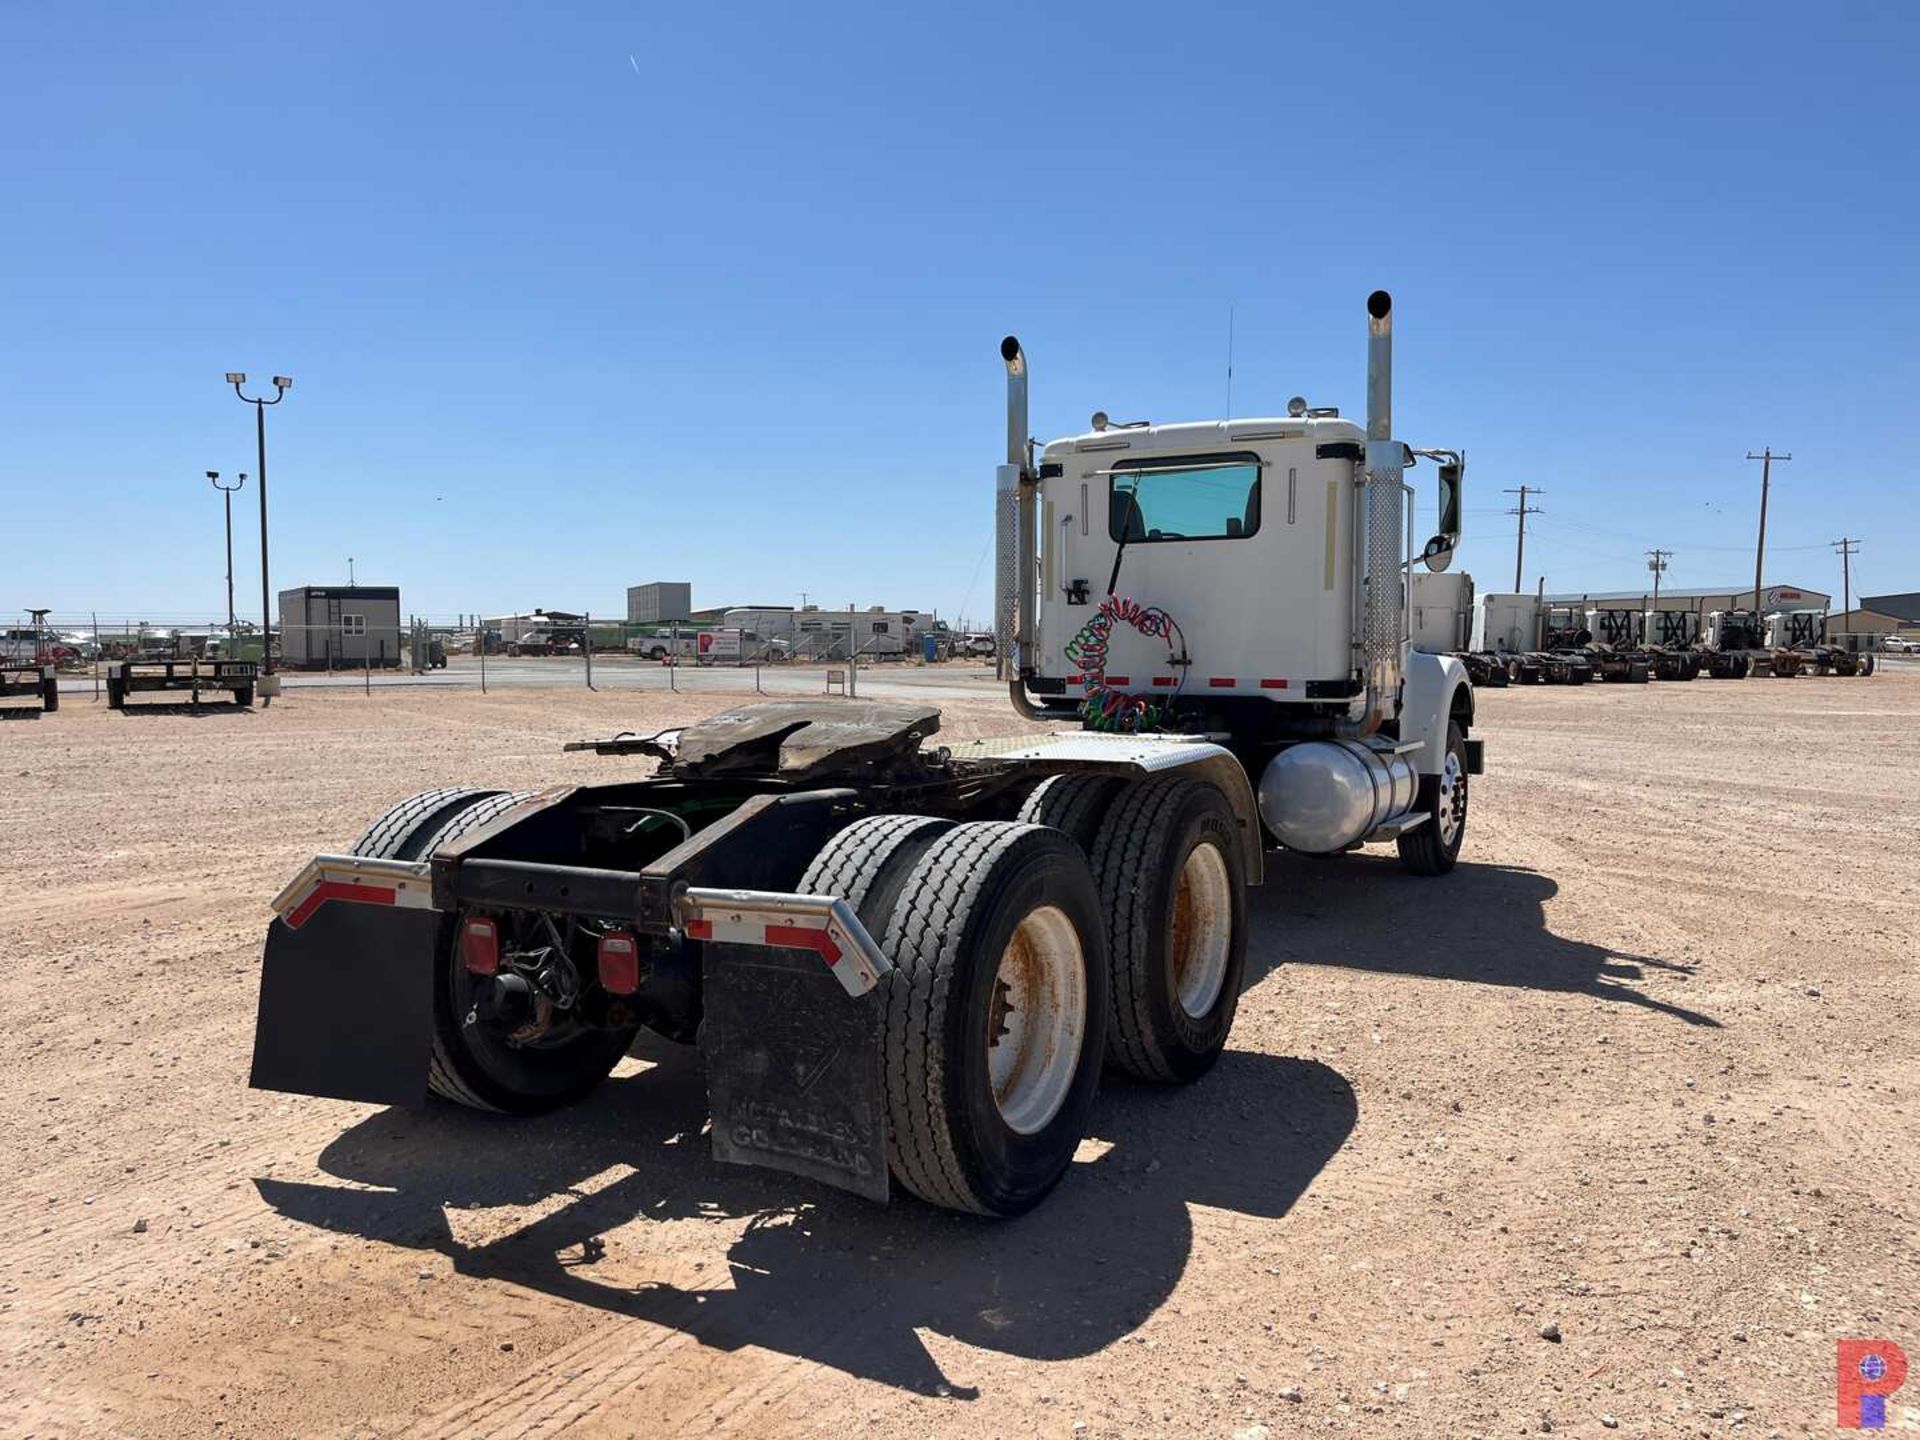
1173	885
992	1017
1432	848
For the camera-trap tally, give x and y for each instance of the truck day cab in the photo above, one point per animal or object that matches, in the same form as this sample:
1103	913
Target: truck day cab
907	963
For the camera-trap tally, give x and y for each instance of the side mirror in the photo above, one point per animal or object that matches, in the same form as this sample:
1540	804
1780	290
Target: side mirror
1439	553
1452	474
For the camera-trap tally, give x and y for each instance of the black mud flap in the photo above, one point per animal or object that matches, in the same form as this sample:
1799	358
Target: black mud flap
793	1068
1476	757
346	1005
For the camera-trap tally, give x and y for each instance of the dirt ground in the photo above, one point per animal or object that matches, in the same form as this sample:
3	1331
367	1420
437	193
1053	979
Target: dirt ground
1643	1069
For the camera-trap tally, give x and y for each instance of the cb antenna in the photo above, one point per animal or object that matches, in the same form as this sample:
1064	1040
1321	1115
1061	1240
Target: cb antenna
1229	414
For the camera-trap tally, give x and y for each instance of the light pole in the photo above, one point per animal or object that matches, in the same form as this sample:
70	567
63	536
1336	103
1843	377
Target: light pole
349	572
281	384
227	492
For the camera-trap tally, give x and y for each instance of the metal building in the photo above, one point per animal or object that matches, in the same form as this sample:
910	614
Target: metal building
659	601
346	625
1773	596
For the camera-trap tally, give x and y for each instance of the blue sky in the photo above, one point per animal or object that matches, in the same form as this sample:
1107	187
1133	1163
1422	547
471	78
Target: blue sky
576	297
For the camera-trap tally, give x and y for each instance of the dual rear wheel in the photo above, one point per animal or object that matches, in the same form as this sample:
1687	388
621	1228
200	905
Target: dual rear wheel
1105	927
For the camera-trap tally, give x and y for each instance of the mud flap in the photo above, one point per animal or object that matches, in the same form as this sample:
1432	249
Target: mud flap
793	1068
346	1005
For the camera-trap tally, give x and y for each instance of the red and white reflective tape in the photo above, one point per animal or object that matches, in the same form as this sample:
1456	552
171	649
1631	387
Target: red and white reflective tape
357	879
824	924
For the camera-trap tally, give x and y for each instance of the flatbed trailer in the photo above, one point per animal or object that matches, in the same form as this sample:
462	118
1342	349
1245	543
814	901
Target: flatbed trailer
191	676
24	681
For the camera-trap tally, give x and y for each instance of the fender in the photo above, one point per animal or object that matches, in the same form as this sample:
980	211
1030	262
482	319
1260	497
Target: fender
1137	755
1432	684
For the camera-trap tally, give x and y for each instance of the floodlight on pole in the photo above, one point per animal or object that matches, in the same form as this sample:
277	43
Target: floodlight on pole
226	495
281	384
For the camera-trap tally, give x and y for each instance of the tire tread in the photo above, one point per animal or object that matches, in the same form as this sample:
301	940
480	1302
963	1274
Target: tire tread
1133	836
924	939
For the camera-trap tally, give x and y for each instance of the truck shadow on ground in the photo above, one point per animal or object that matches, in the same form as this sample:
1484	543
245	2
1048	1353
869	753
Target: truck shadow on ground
206	710
1483	923
828	1277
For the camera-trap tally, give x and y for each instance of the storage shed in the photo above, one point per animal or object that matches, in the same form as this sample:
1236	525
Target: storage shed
323	626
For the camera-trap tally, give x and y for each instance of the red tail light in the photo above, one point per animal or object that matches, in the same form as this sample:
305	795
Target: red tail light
618	960
480	945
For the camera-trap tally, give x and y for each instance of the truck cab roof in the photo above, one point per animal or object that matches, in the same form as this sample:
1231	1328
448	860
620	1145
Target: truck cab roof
1204	435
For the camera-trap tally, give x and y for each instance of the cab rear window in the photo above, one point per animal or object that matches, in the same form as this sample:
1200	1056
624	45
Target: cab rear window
1201	497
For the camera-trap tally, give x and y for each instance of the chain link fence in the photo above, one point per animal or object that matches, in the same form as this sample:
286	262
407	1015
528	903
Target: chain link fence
376	642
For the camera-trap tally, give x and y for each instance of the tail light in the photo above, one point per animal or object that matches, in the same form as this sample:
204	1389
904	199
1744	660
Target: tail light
618	960
480	945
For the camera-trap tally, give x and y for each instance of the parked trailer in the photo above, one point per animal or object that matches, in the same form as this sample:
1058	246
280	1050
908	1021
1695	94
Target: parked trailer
906	963
192	676
21	680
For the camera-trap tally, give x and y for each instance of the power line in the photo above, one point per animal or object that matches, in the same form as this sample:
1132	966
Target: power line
1520	544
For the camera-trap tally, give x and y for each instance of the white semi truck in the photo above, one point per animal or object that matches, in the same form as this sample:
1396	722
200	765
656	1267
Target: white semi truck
907	963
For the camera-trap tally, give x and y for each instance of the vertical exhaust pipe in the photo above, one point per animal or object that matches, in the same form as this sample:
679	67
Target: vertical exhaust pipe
1379	366
1017	432
1014	539
1383	598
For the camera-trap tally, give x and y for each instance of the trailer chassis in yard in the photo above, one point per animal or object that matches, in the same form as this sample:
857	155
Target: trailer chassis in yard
39	683
172	677
907	963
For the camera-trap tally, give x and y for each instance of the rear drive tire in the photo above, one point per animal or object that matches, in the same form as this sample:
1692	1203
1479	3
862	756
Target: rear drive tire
867	863
1433	848
469	1066
1072	804
991	1020
1174	890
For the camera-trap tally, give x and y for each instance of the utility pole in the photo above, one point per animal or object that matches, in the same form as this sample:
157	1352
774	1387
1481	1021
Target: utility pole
1766	458
1848	548
1522	510
1657	563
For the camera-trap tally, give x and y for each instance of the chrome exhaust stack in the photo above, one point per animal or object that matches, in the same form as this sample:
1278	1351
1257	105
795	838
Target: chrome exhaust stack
1017	431
1379	545
1014	538
1379	366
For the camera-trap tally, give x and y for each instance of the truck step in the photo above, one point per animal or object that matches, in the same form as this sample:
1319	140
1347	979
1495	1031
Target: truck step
1398	826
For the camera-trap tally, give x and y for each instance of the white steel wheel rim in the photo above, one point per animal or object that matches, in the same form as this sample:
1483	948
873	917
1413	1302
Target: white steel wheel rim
1037	1020
1202	930
1453	799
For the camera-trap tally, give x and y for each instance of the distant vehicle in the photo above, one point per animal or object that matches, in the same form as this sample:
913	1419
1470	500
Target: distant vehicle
980	645
658	647
1897	645
544	642
26	645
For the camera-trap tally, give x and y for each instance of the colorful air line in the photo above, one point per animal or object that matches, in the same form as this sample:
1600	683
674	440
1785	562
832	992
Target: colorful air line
1107	709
